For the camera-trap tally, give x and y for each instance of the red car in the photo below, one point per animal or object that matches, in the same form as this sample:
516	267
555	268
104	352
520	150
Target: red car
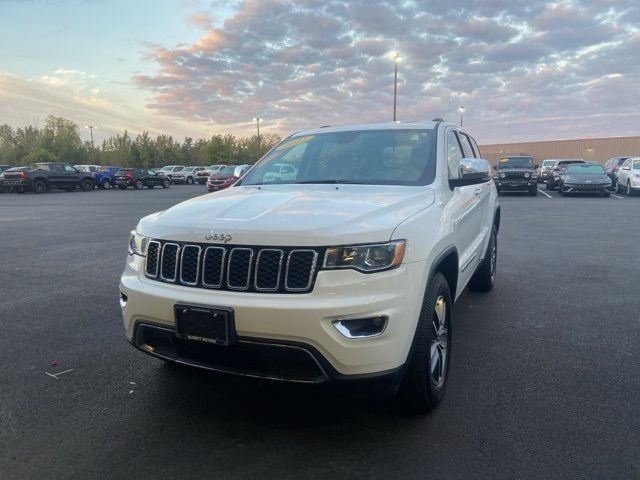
226	177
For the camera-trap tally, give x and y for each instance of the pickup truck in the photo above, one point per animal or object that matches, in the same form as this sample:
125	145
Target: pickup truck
344	272
105	177
45	176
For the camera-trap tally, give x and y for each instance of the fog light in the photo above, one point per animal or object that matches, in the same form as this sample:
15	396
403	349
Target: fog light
123	300
361	327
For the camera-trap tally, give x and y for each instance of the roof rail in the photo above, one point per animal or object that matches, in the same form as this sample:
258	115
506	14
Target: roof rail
438	119
324	126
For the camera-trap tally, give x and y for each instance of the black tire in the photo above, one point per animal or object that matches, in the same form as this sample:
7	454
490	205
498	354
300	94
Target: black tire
87	185
546	186
122	187
166	183
105	184
420	391
39	186
533	192
139	184
4	189
614	185
484	277
189	180
629	191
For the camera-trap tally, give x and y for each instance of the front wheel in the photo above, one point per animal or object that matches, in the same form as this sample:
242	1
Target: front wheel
139	185
189	180
166	183
87	185
629	191
533	192
425	380
106	184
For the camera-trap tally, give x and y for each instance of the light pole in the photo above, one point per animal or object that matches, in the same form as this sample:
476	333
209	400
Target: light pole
93	147
461	110
258	120
396	59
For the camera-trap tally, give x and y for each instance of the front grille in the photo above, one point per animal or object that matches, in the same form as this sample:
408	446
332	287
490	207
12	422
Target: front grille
587	185
514	175
238	268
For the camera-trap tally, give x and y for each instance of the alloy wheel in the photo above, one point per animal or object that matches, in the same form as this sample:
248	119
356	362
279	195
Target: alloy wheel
439	349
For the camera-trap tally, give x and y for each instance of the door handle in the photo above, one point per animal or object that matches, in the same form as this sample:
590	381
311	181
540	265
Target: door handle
477	191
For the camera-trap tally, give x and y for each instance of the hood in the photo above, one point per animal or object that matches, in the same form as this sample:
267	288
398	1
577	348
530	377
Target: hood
221	176
586	177
291	215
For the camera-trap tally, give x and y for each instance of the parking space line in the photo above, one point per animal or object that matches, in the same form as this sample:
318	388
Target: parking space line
621	198
545	193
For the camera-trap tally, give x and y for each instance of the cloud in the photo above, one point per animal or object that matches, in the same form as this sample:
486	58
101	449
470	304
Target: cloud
308	63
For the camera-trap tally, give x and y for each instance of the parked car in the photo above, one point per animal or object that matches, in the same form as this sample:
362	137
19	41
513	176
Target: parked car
44	176
203	175
545	170
186	175
584	178
328	277
139	178
225	177
553	178
169	170
628	178
104	176
281	172
4	189
516	173
611	167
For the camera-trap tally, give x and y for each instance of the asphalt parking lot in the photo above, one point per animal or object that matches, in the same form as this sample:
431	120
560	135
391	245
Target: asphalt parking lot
545	373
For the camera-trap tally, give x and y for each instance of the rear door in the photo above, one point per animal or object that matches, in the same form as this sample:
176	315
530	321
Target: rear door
71	176
57	175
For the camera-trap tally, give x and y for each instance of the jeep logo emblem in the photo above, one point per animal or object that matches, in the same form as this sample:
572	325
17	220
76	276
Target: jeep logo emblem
218	237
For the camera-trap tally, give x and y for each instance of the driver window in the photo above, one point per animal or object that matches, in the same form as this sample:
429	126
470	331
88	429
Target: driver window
454	155
69	168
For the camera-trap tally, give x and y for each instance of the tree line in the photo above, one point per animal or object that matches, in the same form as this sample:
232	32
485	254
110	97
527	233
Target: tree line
59	140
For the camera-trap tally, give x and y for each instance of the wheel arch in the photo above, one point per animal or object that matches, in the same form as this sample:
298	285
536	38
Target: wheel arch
447	264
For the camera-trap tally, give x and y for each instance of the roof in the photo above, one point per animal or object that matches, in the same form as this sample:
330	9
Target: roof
422	125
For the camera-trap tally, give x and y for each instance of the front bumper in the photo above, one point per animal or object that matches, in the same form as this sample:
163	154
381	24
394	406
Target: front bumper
593	189
515	185
215	187
304	320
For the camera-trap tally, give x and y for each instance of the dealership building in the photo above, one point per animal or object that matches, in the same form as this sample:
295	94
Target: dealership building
590	149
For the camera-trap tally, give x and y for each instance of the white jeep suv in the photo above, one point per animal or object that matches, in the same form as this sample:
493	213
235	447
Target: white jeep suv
345	274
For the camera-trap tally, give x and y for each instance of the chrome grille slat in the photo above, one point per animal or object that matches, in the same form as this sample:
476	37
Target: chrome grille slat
259	277
186	264
168	256
237	272
152	261
291	277
208	260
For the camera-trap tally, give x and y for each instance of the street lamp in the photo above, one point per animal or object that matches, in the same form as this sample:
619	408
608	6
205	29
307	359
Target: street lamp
396	59
93	147
461	110
258	120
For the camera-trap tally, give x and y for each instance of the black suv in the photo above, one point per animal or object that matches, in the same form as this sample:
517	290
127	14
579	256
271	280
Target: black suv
139	178
516	173
45	176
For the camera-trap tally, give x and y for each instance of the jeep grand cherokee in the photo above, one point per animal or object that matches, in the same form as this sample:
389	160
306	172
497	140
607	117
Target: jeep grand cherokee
344	273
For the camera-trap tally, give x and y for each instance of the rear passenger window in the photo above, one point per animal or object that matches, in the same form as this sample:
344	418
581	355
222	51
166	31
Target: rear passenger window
454	155
466	146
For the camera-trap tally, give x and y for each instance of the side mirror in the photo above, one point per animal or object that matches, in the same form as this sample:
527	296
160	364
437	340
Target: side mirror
472	171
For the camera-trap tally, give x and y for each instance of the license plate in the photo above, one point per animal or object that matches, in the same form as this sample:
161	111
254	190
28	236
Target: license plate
204	324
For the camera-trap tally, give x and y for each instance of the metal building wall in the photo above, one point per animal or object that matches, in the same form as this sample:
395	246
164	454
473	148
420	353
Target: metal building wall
598	149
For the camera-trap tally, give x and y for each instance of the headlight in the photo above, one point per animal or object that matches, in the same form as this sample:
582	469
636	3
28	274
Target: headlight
138	244
527	175
366	258
503	175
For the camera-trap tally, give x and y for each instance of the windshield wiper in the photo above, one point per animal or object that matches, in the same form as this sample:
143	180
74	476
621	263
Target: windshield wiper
353	182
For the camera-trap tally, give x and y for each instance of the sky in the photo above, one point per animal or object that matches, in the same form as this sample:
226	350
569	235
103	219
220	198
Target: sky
523	70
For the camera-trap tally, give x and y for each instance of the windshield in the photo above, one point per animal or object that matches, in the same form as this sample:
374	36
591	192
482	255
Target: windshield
166	169
187	169
373	157
226	171
516	162
580	169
